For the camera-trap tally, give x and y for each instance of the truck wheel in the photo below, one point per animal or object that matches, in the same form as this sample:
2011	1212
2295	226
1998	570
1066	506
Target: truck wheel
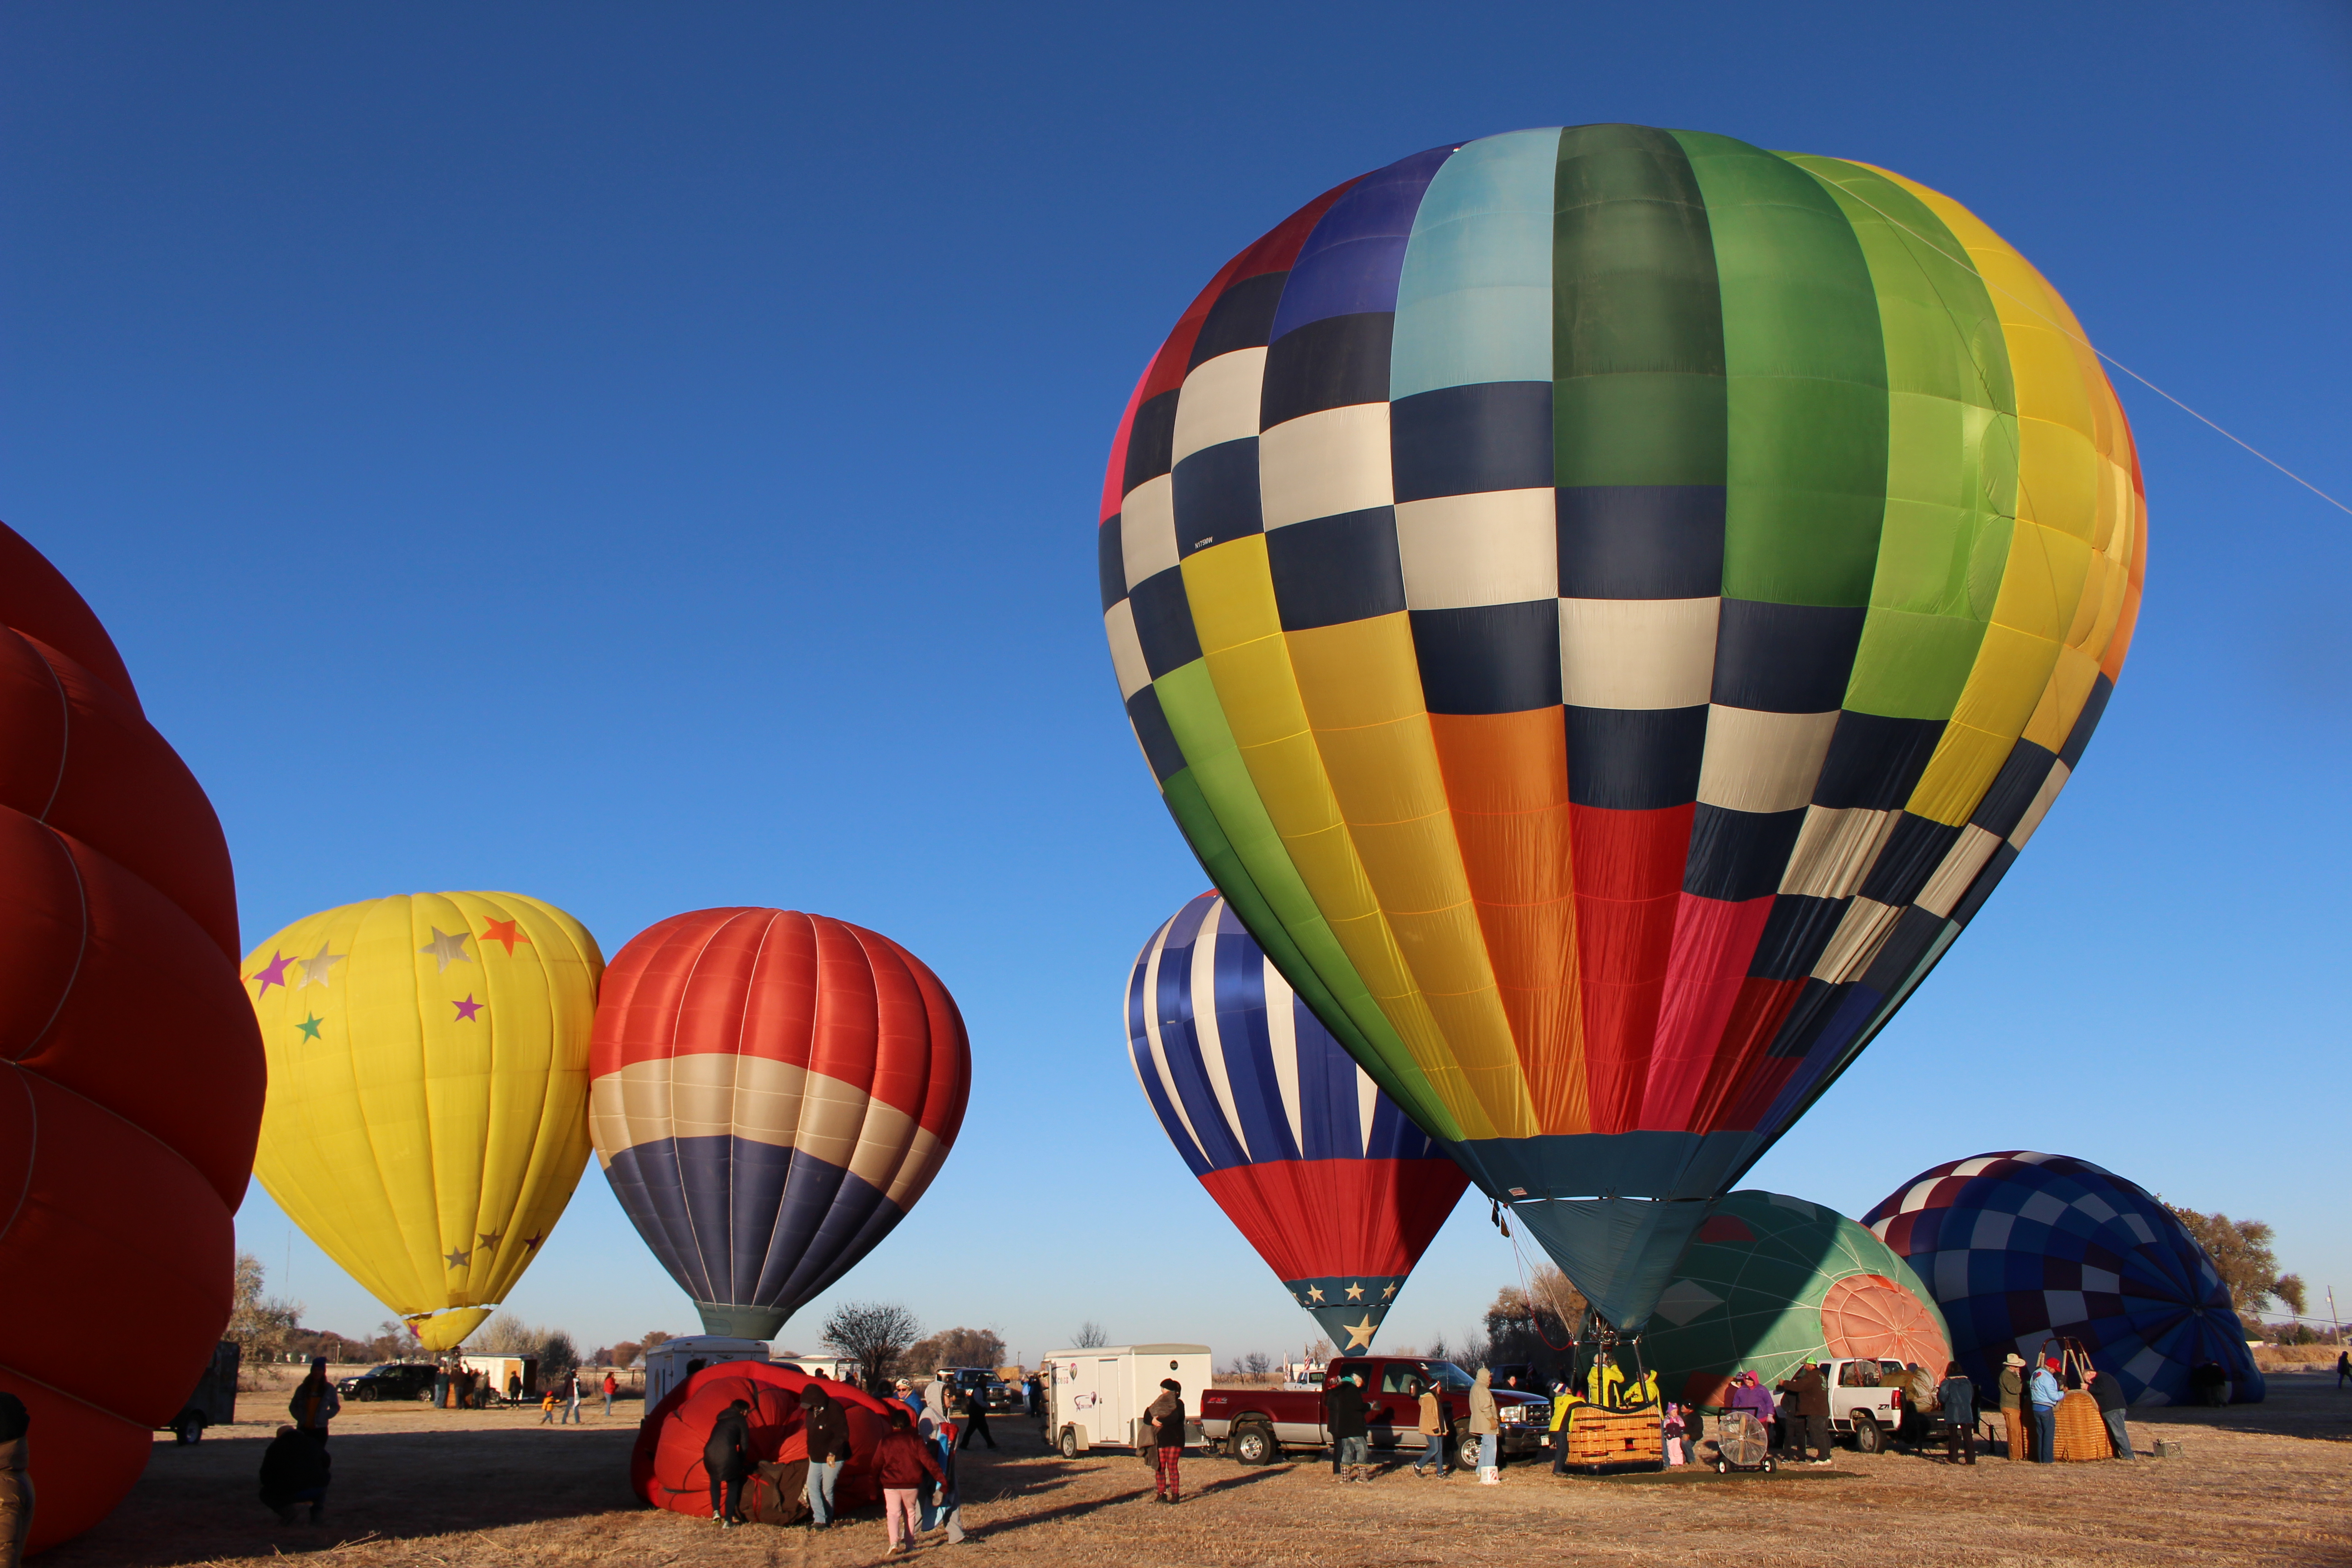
1867	1438
1254	1444
1069	1442
367	1393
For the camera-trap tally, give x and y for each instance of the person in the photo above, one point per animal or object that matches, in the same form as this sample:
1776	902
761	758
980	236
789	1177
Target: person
943	1406
1351	1430
441	1383
315	1400
2108	1390
1920	1405
1670	1431
571	1396
2012	1402
16	1485
1748	1396
901	1460
725	1460
547	1407
910	1399
612	1387
514	1386
1957	1397
2043	1392
1809	1438
1037	1390
1485	1425
1165	1414
974	1423
2342	1369
295	1469
1432	1427
2211	1381
827	1430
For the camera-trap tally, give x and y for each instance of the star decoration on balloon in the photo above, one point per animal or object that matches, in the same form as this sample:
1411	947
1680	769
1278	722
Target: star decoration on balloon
1389	1294
318	968
1360	1335
503	932
491	1240
446	949
1314	1292
467	1009
533	1241
457	1258
1355	1292
274	972
310	1027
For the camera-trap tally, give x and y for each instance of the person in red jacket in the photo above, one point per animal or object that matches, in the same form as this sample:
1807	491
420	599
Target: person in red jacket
900	1462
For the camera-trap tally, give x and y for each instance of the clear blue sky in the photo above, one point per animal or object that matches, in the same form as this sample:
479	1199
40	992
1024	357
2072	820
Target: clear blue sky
646	457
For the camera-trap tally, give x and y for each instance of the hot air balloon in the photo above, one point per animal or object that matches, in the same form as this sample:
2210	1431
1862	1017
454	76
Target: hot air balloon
1606	605
2020	1248
1768	1281
773	1091
131	1078
429	1092
1339	1192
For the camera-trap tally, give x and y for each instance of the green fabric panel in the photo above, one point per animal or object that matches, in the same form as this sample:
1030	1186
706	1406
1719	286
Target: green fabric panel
1231	819
1637	314
1806	368
1951	473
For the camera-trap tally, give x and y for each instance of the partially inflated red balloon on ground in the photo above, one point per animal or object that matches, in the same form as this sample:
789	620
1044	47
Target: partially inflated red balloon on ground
131	1071
667	1471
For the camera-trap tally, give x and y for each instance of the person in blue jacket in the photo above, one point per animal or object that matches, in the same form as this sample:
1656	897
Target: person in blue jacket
2045	1391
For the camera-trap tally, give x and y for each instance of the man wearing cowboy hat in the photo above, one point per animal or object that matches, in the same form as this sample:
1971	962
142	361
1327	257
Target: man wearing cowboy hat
2012	1402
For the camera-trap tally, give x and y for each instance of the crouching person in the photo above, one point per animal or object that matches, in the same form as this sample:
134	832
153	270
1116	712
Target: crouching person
295	1469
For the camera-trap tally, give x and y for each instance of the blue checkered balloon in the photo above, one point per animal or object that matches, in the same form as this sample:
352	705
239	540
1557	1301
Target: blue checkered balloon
2019	1248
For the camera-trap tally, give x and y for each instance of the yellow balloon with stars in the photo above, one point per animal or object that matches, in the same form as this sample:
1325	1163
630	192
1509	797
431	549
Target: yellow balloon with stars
427	1115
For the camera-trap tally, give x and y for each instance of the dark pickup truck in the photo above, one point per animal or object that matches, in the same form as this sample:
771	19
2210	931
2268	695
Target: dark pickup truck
1255	1425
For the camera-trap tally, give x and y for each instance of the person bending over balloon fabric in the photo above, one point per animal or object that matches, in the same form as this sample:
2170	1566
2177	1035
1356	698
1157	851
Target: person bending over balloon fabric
16	1486
296	1467
725	1460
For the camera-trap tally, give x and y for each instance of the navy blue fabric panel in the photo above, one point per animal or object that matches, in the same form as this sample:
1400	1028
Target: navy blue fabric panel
1489	658
1914	936
1795	933
1216	496
1180	1045
1912	853
1244	1041
1334	363
1817	1003
1352	259
1328	1113
1987	880
2013	789
1163	622
1139	1048
1874	762
828	1221
645	1179
1634	759
1110	562
1241	319
2095	707
1465	440
1150	441
1152	734
1736	856
1336	569
1641	542
1785	658
1394	1136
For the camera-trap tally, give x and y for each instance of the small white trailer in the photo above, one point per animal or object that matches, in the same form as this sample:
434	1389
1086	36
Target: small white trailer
672	1362
1096	1397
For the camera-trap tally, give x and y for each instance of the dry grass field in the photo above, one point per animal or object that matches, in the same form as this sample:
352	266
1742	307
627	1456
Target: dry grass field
2269	1484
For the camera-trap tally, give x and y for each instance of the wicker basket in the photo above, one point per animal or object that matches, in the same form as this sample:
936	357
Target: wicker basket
1596	1436
2082	1431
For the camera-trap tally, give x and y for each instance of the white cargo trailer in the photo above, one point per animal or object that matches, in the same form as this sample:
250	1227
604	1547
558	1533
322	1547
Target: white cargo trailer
671	1362
1096	1397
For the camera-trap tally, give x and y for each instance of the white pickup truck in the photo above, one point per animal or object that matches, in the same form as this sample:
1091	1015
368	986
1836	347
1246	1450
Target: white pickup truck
1864	1404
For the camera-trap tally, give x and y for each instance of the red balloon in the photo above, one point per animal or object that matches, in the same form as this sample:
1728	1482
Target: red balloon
665	1468
133	1083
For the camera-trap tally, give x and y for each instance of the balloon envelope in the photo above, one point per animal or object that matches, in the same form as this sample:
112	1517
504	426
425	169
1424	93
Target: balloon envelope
429	1092
2020	1247
1336	1188
131	1077
666	1468
1606	605
773	1090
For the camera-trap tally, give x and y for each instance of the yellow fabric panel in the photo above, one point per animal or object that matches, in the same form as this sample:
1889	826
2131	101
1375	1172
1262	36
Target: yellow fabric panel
2042	583
1238	624
2002	690
427	1115
2071	679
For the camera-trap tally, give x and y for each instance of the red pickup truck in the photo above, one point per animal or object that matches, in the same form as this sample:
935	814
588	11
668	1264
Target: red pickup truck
1255	1425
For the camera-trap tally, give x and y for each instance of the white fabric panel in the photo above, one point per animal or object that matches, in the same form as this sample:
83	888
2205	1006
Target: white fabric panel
2055	781
1835	849
1282	1034
2102	1279
2145	1366
1368	1100
1976	1167
2066	1306
2043	1209
1684	1299
2140	1228
712	1094
1219	402
1159	1046
1962	861
1992	1231
1498	547
1147	530
1208	1027
1322	464
1916	1198
1126	650
2097	1207
1762	762
1637	653
1856	941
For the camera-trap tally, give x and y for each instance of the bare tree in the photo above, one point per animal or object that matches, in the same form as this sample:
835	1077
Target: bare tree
958	1347
2241	1255
1258	1365
1090	1336
507	1334
874	1334
258	1323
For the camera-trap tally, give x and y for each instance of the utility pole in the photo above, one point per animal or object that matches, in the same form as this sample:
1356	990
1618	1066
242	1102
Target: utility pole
2333	1322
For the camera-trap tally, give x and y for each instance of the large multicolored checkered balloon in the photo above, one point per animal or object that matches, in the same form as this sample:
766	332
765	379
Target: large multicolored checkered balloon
2020	1248
1606	605
1335	1189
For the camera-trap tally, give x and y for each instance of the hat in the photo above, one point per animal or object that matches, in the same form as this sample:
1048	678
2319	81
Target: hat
318	1364
1172	1385
2014	1360
2050	1362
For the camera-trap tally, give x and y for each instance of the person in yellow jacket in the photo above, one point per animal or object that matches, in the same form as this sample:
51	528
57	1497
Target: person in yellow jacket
1564	1401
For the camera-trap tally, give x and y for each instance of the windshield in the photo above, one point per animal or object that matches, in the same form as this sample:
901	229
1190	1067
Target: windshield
1449	1377
388	1366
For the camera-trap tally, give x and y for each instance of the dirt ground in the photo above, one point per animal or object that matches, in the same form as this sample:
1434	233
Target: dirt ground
2258	1484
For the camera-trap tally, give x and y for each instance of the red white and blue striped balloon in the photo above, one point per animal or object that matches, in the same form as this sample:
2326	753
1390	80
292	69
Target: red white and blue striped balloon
1336	1188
